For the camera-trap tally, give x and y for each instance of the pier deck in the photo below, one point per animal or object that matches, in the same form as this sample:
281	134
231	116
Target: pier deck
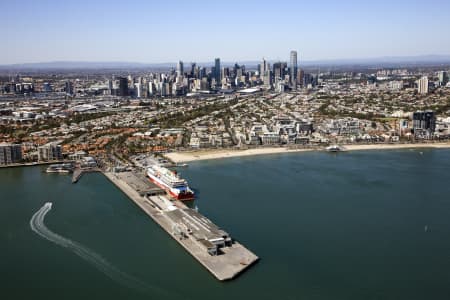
226	266
79	172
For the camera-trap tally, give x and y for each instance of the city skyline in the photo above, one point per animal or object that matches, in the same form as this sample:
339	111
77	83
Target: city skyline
153	33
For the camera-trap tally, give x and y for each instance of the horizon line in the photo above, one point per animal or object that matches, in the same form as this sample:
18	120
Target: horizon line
392	57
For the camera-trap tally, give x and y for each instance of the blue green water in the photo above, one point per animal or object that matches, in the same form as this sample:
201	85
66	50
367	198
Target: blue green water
356	225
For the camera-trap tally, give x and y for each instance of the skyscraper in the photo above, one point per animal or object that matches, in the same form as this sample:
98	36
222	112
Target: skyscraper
238	71
279	70
69	88
217	69
202	73
193	67
225	72
293	68
264	66
138	89
110	86
265	72
443	78
180	69
300	75
123	86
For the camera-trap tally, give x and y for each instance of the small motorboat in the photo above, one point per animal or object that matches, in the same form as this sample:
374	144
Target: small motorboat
334	148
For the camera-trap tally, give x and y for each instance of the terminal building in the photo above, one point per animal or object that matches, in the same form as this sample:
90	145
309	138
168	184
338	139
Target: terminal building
10	153
206	233
188	222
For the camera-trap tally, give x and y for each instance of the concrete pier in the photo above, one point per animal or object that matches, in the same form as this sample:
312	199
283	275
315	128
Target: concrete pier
232	260
79	172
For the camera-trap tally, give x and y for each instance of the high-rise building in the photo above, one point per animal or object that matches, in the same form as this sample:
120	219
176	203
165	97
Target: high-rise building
10	153
307	80
424	122
300	75
138	89
264	71
422	85
264	66
50	151
180	69
151	89
123	86
443	78
217	69
110	86
193	68
293	68
225	73
237	71
201	73
204	84
69	88
279	69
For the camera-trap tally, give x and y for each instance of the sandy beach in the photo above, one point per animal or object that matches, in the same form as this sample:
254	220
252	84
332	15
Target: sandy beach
183	157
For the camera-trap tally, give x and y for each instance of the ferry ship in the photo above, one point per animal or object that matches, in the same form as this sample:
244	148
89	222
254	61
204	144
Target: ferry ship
60	168
171	182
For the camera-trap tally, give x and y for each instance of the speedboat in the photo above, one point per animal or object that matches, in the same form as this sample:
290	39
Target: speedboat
334	148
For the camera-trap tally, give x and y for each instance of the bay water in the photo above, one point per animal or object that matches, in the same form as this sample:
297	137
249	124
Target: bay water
354	225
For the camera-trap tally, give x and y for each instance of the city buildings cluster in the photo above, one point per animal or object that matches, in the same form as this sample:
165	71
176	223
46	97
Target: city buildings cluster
52	115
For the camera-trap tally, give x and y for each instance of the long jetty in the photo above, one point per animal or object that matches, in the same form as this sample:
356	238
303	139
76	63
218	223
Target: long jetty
233	259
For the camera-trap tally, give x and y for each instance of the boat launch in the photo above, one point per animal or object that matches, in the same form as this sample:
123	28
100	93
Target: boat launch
171	182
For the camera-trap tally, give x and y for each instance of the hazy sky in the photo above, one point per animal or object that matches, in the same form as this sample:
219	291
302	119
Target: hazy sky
199	30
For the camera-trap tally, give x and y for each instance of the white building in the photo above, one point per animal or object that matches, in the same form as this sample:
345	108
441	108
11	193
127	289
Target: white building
396	85
422	85
138	89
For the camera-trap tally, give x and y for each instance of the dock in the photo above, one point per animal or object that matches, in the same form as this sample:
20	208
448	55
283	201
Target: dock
79	172
205	241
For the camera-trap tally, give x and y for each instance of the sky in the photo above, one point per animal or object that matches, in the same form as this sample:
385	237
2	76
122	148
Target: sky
150	31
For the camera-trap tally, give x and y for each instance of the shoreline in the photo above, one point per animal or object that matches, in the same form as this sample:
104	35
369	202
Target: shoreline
32	164
190	156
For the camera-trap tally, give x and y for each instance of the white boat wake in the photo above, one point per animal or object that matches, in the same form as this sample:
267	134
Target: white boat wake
38	226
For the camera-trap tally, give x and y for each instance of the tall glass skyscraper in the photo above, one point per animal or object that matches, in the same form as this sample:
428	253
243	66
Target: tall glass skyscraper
180	68
293	68
123	86
217	69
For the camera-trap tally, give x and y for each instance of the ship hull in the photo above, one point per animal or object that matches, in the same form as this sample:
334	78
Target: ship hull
177	196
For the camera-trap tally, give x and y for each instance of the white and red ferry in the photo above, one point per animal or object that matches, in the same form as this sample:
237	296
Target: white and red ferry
171	182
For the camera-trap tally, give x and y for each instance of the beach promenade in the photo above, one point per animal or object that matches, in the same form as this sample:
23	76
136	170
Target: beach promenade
189	156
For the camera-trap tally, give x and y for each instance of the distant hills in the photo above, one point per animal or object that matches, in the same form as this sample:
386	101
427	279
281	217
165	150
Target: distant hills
79	65
380	61
388	60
